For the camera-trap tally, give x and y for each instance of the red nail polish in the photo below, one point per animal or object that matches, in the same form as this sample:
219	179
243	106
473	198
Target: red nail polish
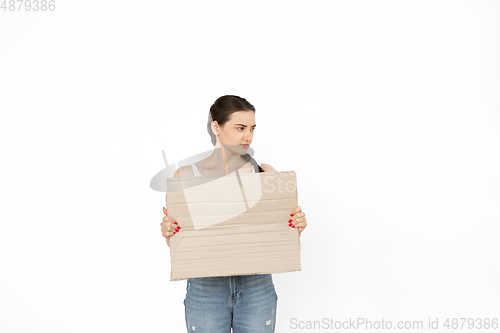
178	228
291	214
175	223
293	226
290	220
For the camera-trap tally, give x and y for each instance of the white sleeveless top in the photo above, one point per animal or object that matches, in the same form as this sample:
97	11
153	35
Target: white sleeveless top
198	174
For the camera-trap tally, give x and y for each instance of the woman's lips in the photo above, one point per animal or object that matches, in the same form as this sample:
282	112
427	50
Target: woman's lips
246	146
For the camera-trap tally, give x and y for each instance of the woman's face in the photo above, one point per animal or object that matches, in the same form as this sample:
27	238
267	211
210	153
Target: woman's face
237	131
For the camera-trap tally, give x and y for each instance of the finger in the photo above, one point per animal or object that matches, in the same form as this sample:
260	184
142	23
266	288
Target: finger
175	227
298	222
297	218
302	225
300	216
170	227
293	215
168	233
169	219
296	210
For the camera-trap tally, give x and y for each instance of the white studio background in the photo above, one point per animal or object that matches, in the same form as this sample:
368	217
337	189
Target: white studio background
388	111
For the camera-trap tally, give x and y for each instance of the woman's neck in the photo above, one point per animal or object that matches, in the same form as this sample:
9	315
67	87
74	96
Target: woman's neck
216	160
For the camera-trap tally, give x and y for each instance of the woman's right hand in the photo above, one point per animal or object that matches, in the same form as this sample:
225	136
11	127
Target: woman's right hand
168	227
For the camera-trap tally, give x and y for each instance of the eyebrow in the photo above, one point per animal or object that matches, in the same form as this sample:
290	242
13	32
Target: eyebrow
245	125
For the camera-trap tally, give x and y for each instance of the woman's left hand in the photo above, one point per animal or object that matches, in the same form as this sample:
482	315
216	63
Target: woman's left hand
297	219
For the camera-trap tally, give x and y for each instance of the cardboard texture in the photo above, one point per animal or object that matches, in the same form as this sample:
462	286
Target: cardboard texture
233	225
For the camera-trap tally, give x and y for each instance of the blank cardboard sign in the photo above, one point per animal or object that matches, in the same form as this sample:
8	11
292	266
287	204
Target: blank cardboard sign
235	224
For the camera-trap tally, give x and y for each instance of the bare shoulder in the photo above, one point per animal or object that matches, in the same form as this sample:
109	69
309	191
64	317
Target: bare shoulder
184	171
267	167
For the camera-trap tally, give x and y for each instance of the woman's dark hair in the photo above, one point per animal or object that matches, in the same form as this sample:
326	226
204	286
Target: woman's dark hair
221	111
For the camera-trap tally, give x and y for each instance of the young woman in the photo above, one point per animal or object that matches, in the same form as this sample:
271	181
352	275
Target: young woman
247	303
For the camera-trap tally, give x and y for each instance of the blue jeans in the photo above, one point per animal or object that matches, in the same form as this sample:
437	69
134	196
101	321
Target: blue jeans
247	303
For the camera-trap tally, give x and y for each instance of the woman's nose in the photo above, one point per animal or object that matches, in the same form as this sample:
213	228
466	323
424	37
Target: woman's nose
248	135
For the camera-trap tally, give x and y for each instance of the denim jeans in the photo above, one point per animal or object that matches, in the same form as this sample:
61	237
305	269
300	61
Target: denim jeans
247	303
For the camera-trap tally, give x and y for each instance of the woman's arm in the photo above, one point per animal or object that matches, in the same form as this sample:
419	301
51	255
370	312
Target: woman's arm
267	168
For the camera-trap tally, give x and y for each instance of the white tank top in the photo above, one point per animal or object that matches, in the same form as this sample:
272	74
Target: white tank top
198	174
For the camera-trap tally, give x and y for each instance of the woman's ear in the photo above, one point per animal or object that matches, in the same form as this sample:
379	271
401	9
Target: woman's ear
215	127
